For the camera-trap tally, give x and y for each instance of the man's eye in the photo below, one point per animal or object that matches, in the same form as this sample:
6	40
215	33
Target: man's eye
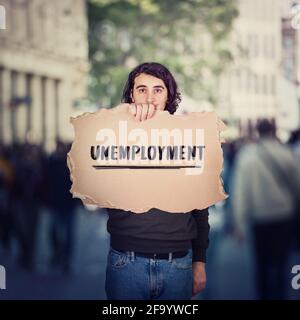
158	90
141	90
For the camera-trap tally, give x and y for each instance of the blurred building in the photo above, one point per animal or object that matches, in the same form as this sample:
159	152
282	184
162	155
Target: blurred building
43	68
263	81
288	115
249	88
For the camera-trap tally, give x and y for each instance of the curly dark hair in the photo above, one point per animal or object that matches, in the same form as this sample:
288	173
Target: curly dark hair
159	71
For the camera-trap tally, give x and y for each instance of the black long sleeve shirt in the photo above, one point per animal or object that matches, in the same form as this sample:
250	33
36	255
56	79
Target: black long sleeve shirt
160	231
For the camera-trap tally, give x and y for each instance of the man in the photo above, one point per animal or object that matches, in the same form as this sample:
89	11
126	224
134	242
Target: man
156	254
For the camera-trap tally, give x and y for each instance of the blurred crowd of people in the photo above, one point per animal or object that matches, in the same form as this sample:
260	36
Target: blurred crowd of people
30	181
262	177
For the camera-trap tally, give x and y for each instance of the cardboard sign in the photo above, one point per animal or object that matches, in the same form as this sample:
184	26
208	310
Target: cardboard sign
169	162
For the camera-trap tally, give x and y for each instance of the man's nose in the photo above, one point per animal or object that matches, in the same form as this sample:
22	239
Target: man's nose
149	98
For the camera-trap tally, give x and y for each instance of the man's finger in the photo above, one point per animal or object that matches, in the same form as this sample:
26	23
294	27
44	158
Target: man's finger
138	112
144	111
151	111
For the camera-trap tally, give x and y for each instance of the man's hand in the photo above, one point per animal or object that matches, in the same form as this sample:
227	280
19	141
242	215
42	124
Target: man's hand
199	277
142	111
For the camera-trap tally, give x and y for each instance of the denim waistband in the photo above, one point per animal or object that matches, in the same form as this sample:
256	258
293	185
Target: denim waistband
156	256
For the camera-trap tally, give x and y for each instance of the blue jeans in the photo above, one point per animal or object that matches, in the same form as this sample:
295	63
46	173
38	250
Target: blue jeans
130	277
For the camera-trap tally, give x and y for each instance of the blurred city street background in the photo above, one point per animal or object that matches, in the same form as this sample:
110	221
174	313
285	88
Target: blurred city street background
61	58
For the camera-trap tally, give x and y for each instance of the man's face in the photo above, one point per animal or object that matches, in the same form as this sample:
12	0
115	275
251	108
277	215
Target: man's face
149	89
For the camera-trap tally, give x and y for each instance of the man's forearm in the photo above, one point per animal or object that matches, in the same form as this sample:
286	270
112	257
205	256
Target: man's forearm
201	242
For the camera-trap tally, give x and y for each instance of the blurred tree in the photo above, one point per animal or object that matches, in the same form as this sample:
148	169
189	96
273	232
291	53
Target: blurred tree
188	36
